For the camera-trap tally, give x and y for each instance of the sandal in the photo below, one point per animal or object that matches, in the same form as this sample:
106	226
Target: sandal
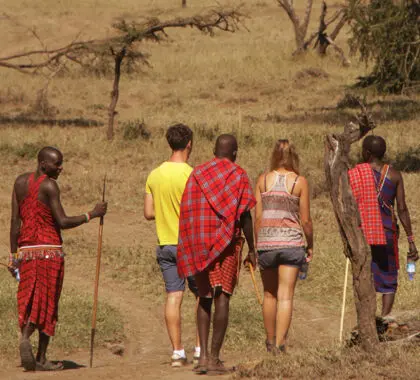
200	369
27	356
270	346
49	366
218	369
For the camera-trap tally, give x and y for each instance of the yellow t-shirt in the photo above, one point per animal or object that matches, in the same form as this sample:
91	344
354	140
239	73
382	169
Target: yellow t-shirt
166	183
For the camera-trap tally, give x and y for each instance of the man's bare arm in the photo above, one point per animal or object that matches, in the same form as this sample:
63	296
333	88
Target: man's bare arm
404	214
59	215
149	209
246	224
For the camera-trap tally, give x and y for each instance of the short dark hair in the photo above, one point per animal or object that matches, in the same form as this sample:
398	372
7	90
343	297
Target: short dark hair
178	136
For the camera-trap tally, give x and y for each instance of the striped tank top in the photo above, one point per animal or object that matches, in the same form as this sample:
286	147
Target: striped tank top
280	223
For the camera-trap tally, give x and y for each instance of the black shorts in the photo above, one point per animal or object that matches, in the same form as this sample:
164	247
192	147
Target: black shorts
293	257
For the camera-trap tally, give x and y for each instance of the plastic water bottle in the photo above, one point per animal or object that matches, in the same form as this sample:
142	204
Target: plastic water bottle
303	272
411	269
17	274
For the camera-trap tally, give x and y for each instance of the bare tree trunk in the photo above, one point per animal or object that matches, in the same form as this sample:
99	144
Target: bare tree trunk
184	3
322	42
301	28
337	148
115	93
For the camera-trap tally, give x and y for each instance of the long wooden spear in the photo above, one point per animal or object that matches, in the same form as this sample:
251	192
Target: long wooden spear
98	267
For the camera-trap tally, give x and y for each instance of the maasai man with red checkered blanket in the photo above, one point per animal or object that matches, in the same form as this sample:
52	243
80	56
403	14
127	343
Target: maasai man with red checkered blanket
215	207
375	187
36	251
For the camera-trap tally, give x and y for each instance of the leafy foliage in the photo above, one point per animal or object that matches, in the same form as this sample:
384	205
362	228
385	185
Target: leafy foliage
387	33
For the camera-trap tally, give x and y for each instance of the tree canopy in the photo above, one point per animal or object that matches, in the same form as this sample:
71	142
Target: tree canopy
387	33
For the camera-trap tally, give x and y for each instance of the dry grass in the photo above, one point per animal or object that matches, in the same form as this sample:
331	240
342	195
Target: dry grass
394	362
73	329
246	83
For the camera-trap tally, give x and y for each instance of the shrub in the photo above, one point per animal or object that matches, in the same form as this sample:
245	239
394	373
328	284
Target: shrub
135	129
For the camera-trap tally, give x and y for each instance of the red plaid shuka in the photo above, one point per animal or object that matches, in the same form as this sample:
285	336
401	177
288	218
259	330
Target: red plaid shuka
41	280
38	226
216	195
362	183
41	262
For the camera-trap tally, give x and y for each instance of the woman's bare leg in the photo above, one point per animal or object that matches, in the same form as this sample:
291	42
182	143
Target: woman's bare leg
270	283
287	277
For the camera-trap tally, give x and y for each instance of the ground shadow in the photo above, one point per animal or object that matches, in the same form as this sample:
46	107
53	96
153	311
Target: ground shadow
381	110
68	364
30	121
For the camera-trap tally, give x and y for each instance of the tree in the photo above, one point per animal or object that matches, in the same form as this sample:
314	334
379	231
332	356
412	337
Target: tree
387	33
300	26
321	38
336	164
122	47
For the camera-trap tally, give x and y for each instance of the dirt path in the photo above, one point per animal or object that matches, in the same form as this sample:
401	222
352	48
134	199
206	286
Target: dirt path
146	353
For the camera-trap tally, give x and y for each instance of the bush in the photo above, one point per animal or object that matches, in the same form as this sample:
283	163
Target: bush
135	129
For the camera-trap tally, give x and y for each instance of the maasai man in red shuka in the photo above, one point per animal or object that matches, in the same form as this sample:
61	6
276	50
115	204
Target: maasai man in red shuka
375	187
215	206
35	246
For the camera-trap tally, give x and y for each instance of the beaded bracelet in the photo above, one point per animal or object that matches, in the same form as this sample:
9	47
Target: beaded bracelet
410	239
12	258
87	217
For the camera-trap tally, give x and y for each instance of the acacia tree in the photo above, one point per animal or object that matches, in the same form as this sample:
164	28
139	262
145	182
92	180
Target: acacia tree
123	47
320	36
336	164
387	33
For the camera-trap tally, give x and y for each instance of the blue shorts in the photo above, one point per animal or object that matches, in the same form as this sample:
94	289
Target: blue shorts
293	257
166	258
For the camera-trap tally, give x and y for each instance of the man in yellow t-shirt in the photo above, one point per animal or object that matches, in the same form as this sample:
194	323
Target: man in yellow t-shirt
164	188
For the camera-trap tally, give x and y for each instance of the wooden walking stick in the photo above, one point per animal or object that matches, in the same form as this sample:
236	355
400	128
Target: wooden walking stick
343	308
98	267
257	292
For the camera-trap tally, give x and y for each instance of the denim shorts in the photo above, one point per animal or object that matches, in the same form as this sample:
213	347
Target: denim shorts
293	257
166	258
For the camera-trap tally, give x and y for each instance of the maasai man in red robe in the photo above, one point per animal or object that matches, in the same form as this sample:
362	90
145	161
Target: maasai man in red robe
375	187
215	206
35	246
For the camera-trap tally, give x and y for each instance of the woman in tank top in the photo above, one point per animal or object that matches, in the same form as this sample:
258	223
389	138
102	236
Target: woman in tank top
282	224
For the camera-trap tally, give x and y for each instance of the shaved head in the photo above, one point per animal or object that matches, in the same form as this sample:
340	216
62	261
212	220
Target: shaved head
374	147
226	147
50	162
47	153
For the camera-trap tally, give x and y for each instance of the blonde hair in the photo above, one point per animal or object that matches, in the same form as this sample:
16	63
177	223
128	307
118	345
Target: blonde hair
284	155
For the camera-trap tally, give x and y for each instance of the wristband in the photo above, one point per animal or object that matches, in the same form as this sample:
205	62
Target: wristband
410	239
12	258
87	217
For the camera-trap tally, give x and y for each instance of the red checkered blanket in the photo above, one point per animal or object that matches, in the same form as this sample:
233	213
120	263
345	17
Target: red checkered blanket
362	183
216	195
41	281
